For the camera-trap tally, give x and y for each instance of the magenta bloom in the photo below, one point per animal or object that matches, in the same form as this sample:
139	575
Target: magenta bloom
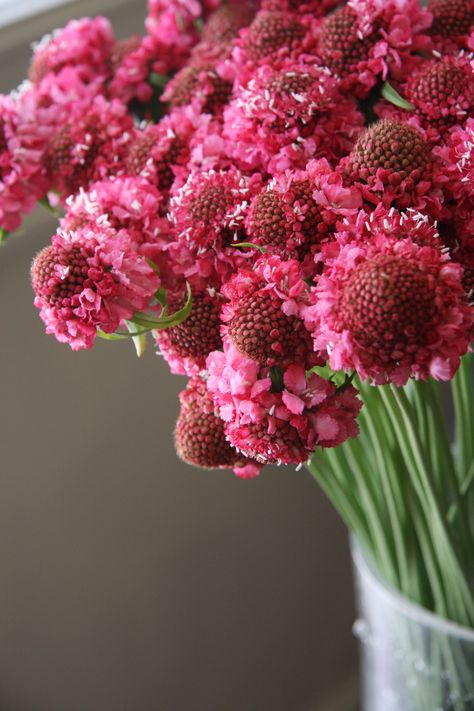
85	44
262	319
186	347
364	39
90	279
199	436
131	63
442	92
392	163
209	210
278	422
89	147
390	303
123	203
22	182
286	116
160	152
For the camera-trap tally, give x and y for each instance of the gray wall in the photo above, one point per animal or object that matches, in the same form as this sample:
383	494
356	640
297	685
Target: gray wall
129	581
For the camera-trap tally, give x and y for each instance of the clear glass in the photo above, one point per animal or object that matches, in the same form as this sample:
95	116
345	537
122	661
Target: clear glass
411	659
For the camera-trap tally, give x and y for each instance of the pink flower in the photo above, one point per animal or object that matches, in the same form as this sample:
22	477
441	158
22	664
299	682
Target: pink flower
209	210
89	147
279	417
186	347
22	182
131	63
442	92
269	39
391	304
262	319
283	117
202	86
89	279
86	44
392	163
199	435
160	152
453	21
366	39
122	203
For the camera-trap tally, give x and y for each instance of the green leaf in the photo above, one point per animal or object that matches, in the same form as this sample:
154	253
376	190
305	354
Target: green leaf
44	202
3	236
158	80
391	95
250	245
338	377
159	324
139	338
162	297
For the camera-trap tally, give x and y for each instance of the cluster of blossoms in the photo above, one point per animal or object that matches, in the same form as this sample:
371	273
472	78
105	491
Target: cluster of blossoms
281	191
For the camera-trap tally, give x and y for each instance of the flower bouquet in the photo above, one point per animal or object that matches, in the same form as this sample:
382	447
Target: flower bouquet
280	195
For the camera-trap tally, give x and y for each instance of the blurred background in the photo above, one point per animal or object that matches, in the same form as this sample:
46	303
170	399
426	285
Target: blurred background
129	581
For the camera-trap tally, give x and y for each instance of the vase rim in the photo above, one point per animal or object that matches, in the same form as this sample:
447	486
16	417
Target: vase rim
410	609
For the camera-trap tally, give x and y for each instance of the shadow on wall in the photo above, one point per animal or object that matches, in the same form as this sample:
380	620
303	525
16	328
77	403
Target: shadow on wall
131	582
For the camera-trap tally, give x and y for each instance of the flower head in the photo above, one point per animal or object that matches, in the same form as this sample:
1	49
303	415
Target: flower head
391	306
88	147
185	347
278	421
442	92
90	279
362	40
285	116
86	44
262	319
199	435
397	164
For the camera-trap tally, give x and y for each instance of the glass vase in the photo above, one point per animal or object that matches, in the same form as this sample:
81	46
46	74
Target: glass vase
411	659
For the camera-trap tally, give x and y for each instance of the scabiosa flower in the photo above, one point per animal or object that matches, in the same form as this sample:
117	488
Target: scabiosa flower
362	40
442	92
453	21
22	182
130	64
262	319
199	434
286	219
209	210
317	8
86	44
89	279
172	23
185	347
397	164
201	85
89	147
278	422
160	152
457	155
225	22
284	117
270	38
391	308
121	203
